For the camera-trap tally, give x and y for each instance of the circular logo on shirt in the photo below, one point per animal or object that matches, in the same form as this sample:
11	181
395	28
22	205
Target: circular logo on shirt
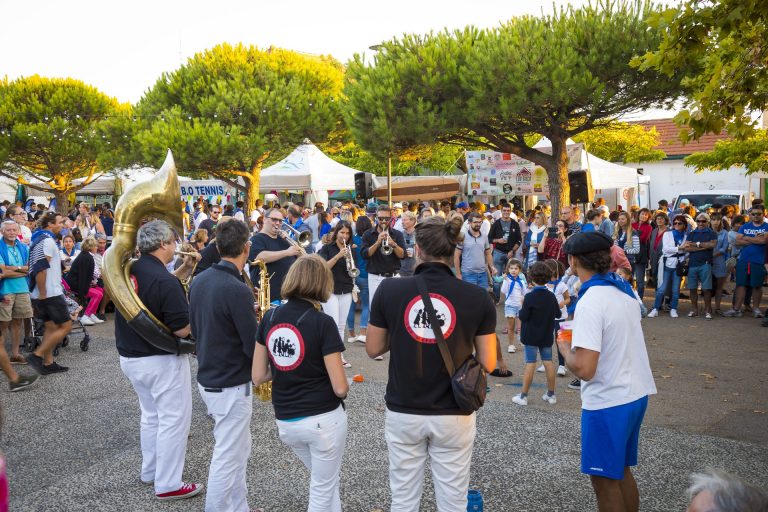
285	346
417	319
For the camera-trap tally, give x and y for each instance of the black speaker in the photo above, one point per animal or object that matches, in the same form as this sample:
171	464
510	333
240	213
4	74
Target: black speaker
363	185
581	187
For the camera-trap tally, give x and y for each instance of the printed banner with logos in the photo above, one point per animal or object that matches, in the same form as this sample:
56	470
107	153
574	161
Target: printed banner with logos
215	191
505	174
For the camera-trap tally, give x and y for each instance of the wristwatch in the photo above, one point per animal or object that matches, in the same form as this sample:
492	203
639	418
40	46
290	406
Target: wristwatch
698	244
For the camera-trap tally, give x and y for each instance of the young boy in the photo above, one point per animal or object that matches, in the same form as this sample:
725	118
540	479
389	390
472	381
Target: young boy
513	289
538	314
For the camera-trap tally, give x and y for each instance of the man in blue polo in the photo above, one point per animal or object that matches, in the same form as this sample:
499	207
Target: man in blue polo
608	354
750	267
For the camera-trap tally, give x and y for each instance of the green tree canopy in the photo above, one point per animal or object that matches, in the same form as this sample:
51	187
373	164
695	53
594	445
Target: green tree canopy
721	47
231	109
53	132
557	76
623	142
751	153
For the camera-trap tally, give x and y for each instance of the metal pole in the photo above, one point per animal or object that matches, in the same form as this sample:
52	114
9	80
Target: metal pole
389	179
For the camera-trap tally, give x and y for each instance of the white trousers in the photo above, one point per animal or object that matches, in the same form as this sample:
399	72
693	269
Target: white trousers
163	385
448	440
231	408
337	308
374	280
319	442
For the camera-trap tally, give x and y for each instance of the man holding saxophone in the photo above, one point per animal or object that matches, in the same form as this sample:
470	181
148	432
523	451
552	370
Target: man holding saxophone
270	246
383	248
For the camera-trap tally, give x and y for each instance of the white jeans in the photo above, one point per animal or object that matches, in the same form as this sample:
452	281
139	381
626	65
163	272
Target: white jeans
163	385
337	308
319	442
448	440
231	409
374	280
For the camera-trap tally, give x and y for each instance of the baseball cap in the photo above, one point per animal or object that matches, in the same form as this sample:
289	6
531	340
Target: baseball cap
370	209
462	204
604	208
397	205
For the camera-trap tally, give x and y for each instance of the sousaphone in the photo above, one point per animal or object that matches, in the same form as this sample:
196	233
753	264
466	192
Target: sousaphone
157	198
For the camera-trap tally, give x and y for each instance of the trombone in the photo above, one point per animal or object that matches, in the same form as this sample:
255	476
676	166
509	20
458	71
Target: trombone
303	238
386	248
350	259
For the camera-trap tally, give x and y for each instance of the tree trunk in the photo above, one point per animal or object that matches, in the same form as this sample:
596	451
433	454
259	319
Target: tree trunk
557	176
252	182
62	201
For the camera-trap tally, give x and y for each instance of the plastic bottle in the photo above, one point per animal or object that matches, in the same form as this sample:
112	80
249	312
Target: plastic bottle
474	501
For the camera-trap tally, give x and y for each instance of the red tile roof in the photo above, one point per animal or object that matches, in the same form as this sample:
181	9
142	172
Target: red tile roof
670	141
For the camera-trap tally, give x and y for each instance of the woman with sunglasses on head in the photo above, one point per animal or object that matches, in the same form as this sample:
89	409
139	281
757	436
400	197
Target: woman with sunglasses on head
672	256
662	226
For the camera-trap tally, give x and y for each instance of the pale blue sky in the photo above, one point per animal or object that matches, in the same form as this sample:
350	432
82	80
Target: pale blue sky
122	47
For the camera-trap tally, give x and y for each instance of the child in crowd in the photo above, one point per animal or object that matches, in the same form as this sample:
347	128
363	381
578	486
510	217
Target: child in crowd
559	287
538	314
513	288
629	277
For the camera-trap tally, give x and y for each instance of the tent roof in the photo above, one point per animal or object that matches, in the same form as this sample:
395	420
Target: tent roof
307	168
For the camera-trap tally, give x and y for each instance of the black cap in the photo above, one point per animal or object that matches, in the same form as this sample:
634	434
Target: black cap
663	202
591	241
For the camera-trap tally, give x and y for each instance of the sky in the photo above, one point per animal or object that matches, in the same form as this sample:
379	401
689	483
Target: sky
123	47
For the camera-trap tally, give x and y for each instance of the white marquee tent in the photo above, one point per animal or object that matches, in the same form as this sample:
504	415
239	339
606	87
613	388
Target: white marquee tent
307	169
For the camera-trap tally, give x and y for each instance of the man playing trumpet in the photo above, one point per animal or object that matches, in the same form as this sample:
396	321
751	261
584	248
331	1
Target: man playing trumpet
383	248
270	246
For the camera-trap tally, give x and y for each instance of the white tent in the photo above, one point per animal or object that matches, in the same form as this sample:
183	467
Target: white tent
307	169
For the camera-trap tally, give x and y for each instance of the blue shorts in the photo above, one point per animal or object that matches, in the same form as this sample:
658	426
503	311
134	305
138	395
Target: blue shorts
531	351
511	311
700	274
749	274
609	438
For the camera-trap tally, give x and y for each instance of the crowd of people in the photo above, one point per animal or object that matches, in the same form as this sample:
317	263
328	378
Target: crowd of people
324	264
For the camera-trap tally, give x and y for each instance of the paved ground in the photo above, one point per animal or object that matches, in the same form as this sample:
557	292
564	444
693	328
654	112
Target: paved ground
72	442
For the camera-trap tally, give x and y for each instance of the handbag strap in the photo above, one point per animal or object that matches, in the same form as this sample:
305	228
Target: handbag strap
444	351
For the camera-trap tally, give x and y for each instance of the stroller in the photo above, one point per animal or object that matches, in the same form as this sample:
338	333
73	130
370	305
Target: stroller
32	341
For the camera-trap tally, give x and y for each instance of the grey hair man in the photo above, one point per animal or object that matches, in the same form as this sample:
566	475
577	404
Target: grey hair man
162	380
718	491
17	306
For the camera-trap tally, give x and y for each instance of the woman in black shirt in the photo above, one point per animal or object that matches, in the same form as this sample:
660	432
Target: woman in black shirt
337	305
308	380
422	415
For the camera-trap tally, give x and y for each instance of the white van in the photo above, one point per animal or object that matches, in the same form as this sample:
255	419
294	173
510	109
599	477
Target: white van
704	199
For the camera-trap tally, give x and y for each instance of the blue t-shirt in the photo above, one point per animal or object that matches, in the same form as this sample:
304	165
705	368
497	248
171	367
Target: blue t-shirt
753	253
14	284
699	258
586	228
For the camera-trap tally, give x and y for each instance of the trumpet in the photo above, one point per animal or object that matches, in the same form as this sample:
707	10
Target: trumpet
184	253
302	240
386	248
350	259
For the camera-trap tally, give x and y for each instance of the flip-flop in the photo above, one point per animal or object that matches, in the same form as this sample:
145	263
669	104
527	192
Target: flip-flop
498	373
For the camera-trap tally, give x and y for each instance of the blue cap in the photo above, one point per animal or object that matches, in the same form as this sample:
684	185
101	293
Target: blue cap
462	204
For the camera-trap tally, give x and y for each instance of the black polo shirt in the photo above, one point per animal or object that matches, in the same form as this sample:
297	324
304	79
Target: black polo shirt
379	263
342	283
297	338
419	383
224	324
162	294
511	234
208	256
277	269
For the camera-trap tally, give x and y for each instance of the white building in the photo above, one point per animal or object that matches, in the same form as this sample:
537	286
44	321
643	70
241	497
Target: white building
670	177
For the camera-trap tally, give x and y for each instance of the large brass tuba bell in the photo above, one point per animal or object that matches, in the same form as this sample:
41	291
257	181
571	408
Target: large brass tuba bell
158	198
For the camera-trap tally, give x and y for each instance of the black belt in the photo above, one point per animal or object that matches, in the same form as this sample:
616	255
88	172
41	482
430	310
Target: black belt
213	390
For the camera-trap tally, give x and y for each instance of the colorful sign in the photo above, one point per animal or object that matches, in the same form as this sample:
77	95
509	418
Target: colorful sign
506	174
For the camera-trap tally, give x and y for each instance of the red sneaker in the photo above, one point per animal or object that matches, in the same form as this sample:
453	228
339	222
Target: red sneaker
185	491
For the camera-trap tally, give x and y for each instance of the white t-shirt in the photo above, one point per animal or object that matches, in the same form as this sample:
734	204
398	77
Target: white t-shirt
239	216
312	222
26	235
197	220
559	292
518	292
53	275
623	372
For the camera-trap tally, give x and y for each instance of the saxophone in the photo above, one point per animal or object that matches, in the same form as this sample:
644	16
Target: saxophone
263	391
159	198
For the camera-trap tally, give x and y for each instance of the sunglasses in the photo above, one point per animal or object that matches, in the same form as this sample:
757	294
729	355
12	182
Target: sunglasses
215	213
700	221
383	219
276	221
678	223
755	214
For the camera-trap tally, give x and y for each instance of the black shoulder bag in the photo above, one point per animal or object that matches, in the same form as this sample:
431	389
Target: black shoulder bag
469	382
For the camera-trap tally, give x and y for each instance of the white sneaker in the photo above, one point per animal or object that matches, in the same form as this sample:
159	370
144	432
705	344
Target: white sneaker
378	358
352	339
519	400
552	400
654	313
540	369
361	338
673	313
757	313
96	319
511	348
561	371
86	320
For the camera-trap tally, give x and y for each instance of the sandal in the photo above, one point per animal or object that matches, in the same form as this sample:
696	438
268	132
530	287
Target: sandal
498	372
